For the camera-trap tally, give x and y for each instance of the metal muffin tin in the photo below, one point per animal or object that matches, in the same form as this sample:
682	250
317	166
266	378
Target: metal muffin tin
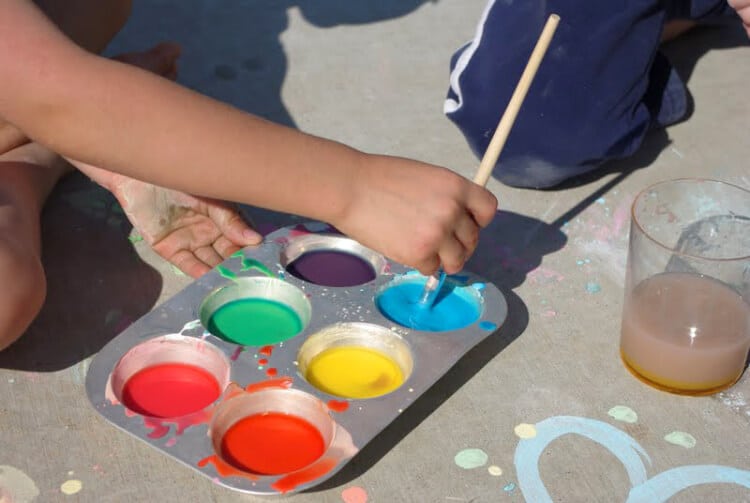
271	378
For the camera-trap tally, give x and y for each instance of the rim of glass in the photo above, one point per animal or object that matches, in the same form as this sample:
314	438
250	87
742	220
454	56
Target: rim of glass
669	248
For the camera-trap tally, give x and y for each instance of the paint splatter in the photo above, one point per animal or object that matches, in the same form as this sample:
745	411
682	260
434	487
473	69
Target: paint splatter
593	287
354	495
487	325
495	470
509	488
71	487
471	458
525	430
623	413
681	438
135	238
16	486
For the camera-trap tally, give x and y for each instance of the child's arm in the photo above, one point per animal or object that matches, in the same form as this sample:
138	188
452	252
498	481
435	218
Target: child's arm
126	120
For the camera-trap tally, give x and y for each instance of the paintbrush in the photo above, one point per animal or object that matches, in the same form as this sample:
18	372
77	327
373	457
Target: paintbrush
435	282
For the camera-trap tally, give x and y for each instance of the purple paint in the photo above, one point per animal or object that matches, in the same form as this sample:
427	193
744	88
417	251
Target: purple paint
332	268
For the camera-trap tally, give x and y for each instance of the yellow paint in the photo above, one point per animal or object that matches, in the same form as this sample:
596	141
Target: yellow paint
354	372
70	487
495	470
525	430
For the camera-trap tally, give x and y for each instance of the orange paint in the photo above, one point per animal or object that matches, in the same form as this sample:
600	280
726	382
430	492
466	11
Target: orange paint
338	405
224	469
291	481
282	382
272	372
266	350
263	361
272	443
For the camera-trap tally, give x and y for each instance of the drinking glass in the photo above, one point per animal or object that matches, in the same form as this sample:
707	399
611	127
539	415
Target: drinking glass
686	314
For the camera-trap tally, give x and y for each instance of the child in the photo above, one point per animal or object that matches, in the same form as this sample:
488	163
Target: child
140	126
601	87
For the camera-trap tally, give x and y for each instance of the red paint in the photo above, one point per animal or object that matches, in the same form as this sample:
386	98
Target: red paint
263	361
291	481
170	390
224	469
282	382
272	443
338	405
266	350
272	372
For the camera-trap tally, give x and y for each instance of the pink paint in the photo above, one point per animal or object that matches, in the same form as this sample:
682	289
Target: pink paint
237	353
354	495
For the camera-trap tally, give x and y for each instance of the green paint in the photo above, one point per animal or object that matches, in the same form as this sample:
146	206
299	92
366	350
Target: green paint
135	238
681	438
471	458
177	270
226	272
254	322
248	263
623	413
238	253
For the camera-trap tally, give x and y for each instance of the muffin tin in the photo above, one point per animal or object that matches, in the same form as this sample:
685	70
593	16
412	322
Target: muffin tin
268	374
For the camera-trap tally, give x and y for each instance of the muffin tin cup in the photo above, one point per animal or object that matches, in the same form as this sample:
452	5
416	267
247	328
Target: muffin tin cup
337	317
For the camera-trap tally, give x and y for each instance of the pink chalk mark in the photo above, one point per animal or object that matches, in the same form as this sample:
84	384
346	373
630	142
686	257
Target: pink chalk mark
354	495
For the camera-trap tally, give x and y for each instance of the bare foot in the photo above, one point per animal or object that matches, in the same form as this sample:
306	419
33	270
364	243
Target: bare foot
193	233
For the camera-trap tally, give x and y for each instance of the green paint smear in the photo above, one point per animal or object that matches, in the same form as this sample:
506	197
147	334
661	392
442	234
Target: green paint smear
226	272
681	438
254	322
248	263
623	413
471	458
135	238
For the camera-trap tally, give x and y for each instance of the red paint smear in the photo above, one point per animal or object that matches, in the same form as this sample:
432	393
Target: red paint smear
266	350
272	443
272	372
338	405
236	353
282	382
160	427
170	390
263	361
291	481
224	469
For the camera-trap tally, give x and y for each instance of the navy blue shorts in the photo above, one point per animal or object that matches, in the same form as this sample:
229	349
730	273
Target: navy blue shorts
601	87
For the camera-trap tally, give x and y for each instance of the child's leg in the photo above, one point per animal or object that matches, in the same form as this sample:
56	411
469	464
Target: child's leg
29	172
600	88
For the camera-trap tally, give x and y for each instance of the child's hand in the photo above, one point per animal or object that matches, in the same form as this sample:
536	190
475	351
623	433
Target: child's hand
417	214
743	10
193	233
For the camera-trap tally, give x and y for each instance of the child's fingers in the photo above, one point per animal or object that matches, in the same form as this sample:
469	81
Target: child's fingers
232	226
467	233
225	247
208	255
452	255
482	205
188	263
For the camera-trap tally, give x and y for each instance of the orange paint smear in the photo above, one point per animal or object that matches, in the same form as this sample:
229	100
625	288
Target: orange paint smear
263	361
266	350
225	469
282	382
272	372
291	481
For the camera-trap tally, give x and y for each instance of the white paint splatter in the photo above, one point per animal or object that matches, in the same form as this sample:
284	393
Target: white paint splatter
16	486
495	470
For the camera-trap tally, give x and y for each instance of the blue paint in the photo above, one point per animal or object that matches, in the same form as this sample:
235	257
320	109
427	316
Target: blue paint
455	306
479	286
593	287
488	325
659	488
509	487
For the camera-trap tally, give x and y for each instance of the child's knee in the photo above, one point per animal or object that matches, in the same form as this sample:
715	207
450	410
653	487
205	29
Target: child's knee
23	294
